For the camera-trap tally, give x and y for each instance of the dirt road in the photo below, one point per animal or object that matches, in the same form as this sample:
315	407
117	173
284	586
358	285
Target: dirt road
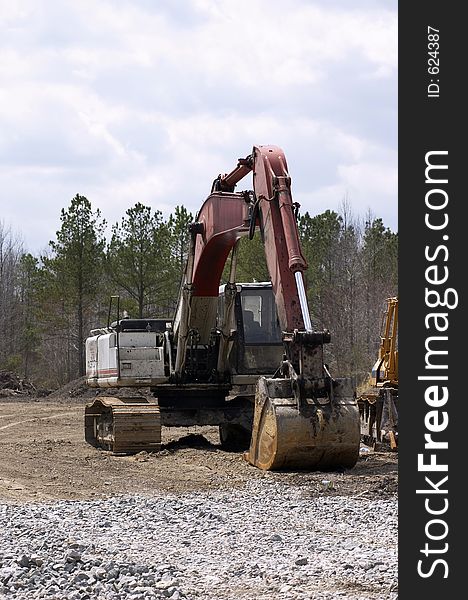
43	456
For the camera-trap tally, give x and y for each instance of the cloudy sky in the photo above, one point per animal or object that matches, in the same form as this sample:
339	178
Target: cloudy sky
127	101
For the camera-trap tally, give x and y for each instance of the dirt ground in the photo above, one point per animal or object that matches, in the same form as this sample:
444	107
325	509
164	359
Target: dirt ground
43	457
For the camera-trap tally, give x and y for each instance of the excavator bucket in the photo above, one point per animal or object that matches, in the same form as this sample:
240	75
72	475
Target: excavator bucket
314	437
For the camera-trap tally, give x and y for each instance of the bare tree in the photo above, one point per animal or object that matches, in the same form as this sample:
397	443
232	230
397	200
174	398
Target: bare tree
11	250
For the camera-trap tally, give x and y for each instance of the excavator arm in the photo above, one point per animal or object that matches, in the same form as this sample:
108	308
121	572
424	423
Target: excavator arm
271	209
303	417
223	219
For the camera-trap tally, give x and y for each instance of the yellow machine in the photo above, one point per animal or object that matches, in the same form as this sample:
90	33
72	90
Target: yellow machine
379	404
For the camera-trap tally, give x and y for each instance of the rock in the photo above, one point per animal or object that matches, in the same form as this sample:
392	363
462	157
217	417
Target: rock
80	577
73	555
6	573
24	560
74	545
175	547
37	560
164	584
99	572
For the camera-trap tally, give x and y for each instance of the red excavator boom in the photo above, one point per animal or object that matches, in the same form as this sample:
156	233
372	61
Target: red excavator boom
303	417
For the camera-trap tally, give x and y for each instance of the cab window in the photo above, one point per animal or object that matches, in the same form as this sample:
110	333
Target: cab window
259	317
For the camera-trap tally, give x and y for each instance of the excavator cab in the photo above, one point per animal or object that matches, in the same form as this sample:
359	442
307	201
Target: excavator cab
258	346
258	315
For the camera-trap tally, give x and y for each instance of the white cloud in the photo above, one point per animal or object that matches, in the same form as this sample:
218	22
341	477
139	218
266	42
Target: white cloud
128	101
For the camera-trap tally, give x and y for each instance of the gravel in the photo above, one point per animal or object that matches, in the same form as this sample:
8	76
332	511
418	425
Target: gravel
265	541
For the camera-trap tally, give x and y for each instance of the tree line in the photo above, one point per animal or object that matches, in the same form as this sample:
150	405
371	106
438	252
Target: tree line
49	302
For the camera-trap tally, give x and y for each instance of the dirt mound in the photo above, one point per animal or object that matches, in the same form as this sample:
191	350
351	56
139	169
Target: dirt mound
191	440
74	389
78	388
13	385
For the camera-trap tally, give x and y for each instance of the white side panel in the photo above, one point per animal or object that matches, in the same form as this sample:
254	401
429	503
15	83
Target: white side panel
141	361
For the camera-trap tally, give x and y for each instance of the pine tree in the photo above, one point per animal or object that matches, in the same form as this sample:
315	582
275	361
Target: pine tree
139	259
178	225
379	275
28	295
76	266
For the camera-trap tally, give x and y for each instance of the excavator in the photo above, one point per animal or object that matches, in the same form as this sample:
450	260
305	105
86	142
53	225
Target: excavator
241	356
378	404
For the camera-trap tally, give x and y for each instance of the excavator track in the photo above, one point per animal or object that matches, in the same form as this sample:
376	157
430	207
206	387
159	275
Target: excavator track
123	425
315	437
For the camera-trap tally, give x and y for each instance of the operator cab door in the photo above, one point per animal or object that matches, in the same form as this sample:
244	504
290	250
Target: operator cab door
259	348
